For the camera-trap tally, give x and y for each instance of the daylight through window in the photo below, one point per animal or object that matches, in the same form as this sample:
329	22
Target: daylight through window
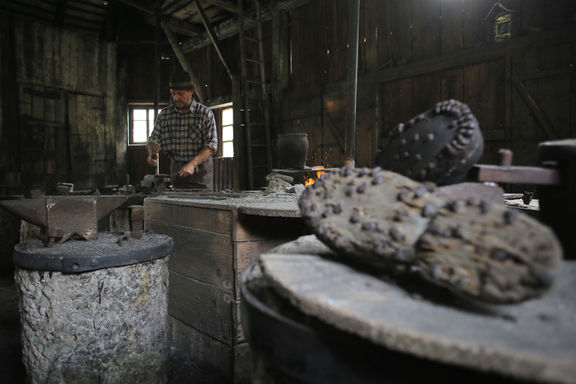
227	132
141	123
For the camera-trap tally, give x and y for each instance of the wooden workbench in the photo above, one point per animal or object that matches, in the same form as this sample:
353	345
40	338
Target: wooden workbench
216	236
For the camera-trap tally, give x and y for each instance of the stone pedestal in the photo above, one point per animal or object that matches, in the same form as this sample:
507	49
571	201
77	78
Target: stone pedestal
106	325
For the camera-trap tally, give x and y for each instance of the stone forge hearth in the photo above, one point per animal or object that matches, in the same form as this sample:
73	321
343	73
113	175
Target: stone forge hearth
293	180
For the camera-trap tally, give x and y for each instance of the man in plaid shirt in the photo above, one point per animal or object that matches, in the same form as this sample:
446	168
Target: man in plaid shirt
186	131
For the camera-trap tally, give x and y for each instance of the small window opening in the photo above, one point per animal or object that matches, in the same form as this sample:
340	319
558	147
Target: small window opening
140	123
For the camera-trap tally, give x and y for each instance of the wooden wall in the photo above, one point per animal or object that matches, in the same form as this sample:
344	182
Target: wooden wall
59	108
64	95
414	53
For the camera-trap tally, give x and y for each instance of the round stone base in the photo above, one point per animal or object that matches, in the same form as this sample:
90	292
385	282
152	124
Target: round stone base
104	326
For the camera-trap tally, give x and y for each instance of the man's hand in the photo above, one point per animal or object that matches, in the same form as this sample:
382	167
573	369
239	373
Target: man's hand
188	169
153	149
152	160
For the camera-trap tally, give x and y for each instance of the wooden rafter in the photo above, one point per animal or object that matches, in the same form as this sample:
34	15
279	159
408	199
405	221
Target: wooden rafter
213	37
183	61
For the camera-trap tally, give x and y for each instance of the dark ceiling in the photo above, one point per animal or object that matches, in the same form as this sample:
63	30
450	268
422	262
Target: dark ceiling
102	18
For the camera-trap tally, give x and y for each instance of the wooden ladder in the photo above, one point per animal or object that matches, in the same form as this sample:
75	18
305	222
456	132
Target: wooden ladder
255	98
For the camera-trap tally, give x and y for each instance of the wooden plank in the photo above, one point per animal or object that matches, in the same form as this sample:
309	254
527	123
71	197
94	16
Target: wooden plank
554	85
400	32
396	104
242	364
86	115
533	13
572	125
538	113
367	137
204	307
295	106
451	84
175	211
201	255
426	92
518	47
425	29
371	33
245	253
198	358
333	118
473	13
451	26
335	33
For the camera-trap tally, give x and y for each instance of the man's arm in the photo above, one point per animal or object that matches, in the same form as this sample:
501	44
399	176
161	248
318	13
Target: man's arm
201	157
153	145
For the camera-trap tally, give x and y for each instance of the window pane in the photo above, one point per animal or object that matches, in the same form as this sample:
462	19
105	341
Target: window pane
228	149
150	120
140	135
139	114
228	133
227	116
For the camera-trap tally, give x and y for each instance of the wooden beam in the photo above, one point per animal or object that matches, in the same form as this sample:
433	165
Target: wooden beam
169	8
471	56
183	61
539	114
139	6
213	37
232	27
177	26
60	13
183	27
225	5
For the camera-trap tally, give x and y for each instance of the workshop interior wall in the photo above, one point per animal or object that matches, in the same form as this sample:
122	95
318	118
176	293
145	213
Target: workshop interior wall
416	53
412	54
59	109
64	95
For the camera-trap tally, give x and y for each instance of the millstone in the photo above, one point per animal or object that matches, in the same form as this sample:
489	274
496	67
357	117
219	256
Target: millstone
439	145
396	225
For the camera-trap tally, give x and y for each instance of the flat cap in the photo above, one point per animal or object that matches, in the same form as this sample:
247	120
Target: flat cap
180	79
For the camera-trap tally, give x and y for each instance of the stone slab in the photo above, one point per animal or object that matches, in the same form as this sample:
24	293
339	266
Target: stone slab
533	340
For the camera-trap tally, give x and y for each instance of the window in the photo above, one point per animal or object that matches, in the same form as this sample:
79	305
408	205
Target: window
224	115
140	123
228	132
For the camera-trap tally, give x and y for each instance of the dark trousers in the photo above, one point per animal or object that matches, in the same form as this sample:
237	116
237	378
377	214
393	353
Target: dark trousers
201	179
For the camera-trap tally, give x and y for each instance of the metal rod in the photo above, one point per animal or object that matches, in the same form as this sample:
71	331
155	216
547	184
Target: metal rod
158	11
354	33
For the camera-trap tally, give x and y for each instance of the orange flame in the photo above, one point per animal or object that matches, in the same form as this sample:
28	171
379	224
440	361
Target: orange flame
311	180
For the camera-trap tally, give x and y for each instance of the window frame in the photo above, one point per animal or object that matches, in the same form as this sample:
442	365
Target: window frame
218	112
130	125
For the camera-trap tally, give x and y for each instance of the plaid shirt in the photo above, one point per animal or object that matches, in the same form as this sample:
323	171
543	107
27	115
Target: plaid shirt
183	135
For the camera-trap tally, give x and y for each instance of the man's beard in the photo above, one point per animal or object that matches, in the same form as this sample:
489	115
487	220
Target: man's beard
181	105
